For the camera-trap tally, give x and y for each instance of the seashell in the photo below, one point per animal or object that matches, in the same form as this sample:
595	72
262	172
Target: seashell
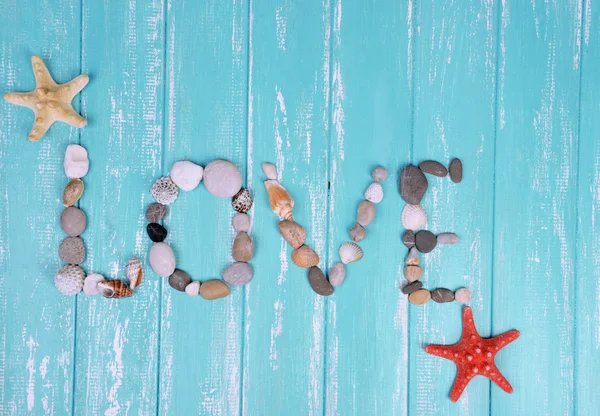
292	232
242	201
280	199
179	280
243	248
357	233
69	280
90	284
162	259
72	192
222	178
337	274
76	162
413	259
350	252
193	289
305	257
380	174
164	191
186	175
114	289
413	217
134	271
214	289
318	282
374	193
156	212
270	170
241	222
366	213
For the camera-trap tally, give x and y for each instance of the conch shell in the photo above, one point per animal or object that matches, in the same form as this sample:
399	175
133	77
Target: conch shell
135	273
72	192
280	199
114	289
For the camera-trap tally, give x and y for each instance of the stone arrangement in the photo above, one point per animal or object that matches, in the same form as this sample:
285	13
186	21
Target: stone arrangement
224	180
71	278
413	186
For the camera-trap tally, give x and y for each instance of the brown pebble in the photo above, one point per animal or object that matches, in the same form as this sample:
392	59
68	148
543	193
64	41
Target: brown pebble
243	248
357	233
409	238
433	168
213	289
413	273
419	297
366	213
292	232
442	295
456	170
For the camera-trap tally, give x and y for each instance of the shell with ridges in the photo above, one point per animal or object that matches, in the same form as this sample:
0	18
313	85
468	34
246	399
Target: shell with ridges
72	192
242	201
114	289
164	191
305	257
374	193
413	217
134	271
69	280
350	252
280	200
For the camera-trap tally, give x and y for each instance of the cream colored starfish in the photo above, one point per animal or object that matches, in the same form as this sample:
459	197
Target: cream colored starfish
49	101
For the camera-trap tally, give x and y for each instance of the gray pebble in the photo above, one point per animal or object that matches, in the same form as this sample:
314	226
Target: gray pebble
447	238
357	233
434	168
442	295
380	174
456	170
238	274
241	222
411	287
72	250
318	282
409	238
413	184
179	280
337	274
73	221
366	213
156	212
425	241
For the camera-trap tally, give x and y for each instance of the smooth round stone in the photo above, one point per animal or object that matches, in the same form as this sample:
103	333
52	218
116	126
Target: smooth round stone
193	289
413	184
222	178
442	295
292	232
72	250
241	222
186	175
73	221
213	289
433	168
447	238
408	239
413	273
337	274
318	282
238	274
379	174
156	232
156	212
413	258
357	233
243	248
456	170
425	241
179	280
366	213
162	259
412	287
462	295
90	284
419	297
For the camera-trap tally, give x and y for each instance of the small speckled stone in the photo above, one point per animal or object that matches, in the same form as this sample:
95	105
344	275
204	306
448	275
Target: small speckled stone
433	168
193	289
447	238
409	238
413	258
419	297
72	250
73	221
425	241
413	184
456	170
412	287
337	274
214	289
357	233
156	212
238	274
179	280
241	222
413	273
243	248
156	232
462	295
318	282
380	174
442	295
242	201
366	213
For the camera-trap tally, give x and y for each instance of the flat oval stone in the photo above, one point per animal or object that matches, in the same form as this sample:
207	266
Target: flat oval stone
238	274
318	282
447	238
156	232
337	274
425	241
456	170
156	212
413	184
366	213
73	221
193	289
412	287
357	233
241	222
419	297
434	168
72	250
179	280
462	295
214	289
409	238
243	248
222	178
162	259
292	232
442	295
413	273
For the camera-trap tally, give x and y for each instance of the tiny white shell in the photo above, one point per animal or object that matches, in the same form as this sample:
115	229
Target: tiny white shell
270	170
350	252
76	162
413	217
193	289
374	193
90	284
164	191
134	272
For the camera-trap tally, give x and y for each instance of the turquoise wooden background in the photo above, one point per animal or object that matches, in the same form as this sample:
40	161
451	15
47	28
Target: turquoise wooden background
327	89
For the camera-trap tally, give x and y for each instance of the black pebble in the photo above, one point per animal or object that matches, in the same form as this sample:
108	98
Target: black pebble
156	232
425	241
411	287
442	295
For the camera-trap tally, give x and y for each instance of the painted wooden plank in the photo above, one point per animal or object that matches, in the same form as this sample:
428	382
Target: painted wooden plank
536	200
201	341
587	280
36	321
117	340
367	332
288	118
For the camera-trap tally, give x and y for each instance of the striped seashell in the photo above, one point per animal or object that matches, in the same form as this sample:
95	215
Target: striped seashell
134	272
114	289
350	252
413	217
305	257
280	200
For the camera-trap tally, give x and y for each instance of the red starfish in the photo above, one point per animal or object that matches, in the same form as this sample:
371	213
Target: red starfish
474	356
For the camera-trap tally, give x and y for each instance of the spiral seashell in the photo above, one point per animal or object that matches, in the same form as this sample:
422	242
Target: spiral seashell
69	280
413	217
114	289
72	192
164	191
280	200
134	272
305	257
242	201
350	252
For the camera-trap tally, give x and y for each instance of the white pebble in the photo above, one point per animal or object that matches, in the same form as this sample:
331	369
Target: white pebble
162	259
270	170
90	284
380	174
193	289
241	222
462	295
76	162
186	175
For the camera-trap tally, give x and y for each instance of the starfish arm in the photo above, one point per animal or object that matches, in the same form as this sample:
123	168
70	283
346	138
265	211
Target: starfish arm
444	351
460	384
43	79
469	324
66	114
42	123
24	99
496	376
74	87
506	338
